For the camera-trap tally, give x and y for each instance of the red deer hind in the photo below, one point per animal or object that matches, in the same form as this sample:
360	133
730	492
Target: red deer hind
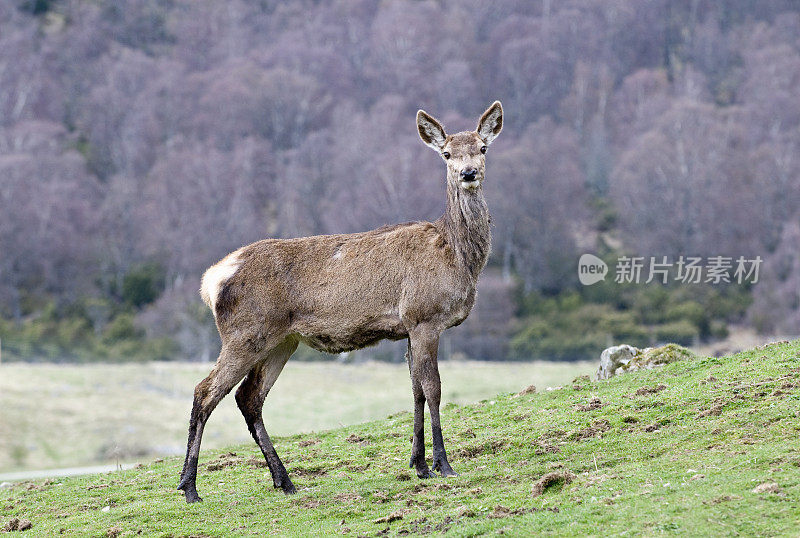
343	292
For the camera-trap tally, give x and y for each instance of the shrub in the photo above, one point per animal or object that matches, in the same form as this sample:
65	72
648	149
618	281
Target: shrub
580	332
692	312
680	332
143	285
122	328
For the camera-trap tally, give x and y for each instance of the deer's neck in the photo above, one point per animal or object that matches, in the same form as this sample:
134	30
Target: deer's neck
466	226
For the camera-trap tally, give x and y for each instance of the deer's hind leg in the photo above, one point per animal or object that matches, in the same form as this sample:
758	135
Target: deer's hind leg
250	397
230	368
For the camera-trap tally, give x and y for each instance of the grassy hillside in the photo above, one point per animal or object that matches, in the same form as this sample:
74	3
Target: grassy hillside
686	450
99	413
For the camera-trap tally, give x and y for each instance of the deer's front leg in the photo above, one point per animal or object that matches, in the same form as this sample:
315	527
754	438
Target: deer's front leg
425	371
418	440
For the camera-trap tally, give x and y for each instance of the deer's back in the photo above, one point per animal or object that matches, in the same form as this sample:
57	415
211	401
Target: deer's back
343	292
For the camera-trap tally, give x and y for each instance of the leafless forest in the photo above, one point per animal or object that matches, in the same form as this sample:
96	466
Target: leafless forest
142	140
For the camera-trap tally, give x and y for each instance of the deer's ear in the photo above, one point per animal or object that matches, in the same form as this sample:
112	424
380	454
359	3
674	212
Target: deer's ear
491	123
430	131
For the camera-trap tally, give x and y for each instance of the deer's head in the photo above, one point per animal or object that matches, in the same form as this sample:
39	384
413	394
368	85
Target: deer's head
465	152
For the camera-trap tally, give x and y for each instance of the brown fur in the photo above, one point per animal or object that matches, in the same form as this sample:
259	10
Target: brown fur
343	292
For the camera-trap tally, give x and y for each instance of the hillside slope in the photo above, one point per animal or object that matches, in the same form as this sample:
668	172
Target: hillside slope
678	450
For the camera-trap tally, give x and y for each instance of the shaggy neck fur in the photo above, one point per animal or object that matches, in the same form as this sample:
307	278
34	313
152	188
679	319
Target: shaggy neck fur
466	226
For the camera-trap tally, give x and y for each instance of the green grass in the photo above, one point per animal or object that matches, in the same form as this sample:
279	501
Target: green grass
76	415
680	459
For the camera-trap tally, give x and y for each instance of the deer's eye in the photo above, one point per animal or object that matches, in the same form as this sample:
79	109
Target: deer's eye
446	154
483	149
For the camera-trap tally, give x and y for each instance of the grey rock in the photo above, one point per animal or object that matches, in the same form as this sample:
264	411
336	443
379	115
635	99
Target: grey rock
615	357
620	359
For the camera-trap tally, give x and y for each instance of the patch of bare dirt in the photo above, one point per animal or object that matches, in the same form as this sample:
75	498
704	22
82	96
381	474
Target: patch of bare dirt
468	452
380	496
357	439
309	442
544	447
554	433
495	445
644	391
341	463
228	459
597	428
770	344
32	486
581	382
463	511
309	502
550	479
714	410
257	462
420	526
723	499
347	497
530	389
394	516
501	511
784	388
309	472
472	451
420	487
593	404
768	487
599	479
17	525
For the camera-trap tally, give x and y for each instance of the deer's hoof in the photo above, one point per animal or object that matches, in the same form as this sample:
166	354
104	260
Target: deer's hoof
425	473
421	466
444	468
193	497
286	486
189	490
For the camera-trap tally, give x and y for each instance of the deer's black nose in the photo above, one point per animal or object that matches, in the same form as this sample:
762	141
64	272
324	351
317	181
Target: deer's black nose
468	174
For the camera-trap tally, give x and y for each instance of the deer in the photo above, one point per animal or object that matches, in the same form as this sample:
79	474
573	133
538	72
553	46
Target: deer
338	293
